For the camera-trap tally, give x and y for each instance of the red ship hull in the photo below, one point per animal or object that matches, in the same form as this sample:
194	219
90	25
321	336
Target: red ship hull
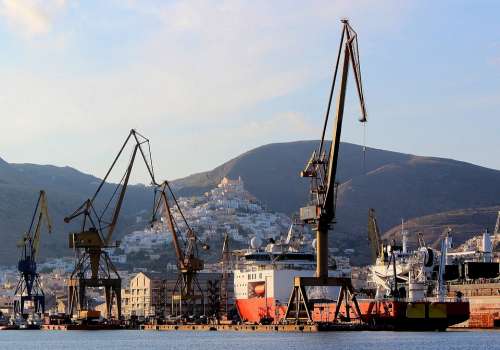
390	313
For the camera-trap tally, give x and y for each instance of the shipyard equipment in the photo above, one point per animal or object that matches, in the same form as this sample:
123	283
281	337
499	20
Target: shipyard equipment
376	244
94	268
322	170
187	291
29	288
213	298
384	252
224	285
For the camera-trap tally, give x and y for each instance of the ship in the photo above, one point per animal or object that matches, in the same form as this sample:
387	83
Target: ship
473	271
264	275
289	281
413	283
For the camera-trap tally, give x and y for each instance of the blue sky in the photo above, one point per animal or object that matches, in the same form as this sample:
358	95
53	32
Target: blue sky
206	81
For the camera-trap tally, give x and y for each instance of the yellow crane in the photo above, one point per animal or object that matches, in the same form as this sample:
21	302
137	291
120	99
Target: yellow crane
187	289
374	236
322	170
94	268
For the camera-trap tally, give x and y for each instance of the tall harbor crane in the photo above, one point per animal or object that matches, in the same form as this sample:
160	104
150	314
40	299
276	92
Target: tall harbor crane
29	287
374	236
322	170
94	268
187	289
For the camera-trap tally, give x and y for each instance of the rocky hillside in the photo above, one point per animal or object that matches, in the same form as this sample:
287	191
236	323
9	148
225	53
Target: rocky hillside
397	185
271	172
66	190
463	223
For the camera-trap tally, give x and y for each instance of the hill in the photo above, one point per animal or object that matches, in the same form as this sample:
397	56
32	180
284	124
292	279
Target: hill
464	223
397	185
271	172
66	189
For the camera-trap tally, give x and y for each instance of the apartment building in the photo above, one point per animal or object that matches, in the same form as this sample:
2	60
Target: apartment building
150	294
144	294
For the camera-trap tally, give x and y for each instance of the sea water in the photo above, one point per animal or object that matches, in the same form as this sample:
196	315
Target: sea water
152	340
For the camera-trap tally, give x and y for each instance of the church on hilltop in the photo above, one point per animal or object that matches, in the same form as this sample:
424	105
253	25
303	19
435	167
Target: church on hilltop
228	185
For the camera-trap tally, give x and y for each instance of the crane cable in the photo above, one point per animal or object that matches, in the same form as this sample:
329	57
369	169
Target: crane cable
188	227
330	98
120	184
364	147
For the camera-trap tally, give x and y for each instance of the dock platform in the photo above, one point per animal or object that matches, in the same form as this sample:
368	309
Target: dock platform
80	327
307	328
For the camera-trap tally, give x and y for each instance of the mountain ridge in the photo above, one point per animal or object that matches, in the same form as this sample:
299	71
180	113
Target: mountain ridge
463	223
395	184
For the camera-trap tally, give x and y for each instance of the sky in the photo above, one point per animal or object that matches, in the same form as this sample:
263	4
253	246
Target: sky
208	80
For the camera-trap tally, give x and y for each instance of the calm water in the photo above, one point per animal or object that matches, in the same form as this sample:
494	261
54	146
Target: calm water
114	340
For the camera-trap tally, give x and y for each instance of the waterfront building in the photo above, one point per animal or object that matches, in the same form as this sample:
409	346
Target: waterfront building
143	296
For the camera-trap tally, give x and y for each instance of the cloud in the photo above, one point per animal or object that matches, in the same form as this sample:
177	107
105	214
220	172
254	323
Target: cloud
201	64
32	17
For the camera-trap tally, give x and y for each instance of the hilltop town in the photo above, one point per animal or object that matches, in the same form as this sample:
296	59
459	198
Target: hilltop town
228	208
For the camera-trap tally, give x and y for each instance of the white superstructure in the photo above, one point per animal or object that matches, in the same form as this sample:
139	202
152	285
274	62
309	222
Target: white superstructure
269	272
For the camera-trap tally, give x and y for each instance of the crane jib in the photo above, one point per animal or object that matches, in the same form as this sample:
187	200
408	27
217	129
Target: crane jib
322	166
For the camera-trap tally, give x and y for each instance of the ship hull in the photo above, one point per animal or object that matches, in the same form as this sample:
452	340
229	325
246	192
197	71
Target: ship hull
484	302
484	313
387	314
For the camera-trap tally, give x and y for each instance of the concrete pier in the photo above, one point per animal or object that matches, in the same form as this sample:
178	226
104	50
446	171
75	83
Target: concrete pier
312	328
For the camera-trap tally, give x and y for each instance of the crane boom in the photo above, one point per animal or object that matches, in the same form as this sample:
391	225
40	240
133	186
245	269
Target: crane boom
189	264
42	216
187	258
374	235
29	287
87	208
118	206
171	225
322	168
351	57
320	213
94	267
